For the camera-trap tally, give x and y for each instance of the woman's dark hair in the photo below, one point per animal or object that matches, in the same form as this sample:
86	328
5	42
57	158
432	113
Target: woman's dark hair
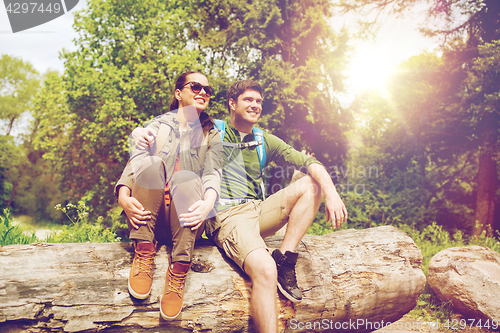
207	123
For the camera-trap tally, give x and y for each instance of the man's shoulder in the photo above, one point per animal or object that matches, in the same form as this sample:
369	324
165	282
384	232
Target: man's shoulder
272	140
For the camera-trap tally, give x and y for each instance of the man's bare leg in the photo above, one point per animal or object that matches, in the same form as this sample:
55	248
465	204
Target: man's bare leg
302	201
261	268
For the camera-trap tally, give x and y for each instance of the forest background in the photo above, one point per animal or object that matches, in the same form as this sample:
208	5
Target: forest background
424	154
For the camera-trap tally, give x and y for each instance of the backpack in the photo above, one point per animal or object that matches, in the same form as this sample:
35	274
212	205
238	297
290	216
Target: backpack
260	143
220	125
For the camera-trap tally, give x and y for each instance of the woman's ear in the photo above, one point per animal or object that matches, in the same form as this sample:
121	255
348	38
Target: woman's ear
177	94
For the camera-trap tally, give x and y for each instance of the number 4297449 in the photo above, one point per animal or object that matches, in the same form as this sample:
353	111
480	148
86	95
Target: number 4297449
462	324
32	7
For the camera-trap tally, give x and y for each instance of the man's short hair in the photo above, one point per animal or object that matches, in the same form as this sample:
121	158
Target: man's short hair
239	88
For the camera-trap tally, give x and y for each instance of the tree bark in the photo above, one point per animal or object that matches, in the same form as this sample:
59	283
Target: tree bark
12	193
484	215
351	280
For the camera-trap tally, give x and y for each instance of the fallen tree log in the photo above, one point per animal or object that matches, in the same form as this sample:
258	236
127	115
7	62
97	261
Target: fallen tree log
352	280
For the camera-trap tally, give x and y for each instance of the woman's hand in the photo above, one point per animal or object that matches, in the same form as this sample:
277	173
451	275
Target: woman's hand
199	211
144	137
133	208
197	214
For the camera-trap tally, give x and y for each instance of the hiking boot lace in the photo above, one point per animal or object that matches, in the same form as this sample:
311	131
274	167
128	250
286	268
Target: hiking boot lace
145	264
176	283
289	270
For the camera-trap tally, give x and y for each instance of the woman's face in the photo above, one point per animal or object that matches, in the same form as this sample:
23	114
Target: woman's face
187	97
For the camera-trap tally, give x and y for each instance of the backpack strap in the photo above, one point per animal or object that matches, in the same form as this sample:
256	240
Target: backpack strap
257	132
261	149
221	127
259	142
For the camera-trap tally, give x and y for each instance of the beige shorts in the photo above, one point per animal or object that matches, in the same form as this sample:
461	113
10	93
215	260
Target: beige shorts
244	227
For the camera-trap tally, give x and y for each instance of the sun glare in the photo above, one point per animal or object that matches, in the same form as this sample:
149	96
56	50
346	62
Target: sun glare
370	67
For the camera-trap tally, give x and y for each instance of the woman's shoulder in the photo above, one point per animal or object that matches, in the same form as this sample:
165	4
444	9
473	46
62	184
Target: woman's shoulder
214	135
167	117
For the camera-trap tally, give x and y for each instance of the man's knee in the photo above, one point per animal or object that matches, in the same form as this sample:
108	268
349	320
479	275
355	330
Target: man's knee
261	268
305	186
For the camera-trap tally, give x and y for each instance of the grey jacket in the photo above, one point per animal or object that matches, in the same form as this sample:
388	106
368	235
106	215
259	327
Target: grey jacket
199	153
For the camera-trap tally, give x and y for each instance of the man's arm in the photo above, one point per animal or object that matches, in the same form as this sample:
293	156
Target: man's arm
334	207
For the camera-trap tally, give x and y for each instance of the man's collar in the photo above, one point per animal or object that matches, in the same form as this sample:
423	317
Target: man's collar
229	123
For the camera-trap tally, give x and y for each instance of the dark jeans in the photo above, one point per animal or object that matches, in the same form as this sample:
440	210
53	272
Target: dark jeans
185	189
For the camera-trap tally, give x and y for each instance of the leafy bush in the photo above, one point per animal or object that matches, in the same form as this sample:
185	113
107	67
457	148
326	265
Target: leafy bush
11	234
79	231
434	238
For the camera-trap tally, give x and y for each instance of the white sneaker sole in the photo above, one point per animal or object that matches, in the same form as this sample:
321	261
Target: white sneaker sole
164	316
137	295
287	295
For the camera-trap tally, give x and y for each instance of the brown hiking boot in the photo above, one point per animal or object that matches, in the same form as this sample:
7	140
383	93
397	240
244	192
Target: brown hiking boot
140	279
173	297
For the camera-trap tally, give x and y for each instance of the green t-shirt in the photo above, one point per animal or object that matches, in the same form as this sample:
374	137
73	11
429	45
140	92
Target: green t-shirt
241	175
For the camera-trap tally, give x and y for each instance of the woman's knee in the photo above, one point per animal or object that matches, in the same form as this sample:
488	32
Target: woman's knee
186	186
150	173
186	177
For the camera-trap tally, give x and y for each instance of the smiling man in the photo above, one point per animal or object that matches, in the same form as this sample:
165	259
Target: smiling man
244	218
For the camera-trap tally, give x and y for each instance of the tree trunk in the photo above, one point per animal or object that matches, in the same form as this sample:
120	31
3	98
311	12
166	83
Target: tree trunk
12	193
484	215
351	280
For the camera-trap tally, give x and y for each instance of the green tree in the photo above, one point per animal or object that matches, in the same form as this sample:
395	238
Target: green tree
128	54
19	82
468	118
291	50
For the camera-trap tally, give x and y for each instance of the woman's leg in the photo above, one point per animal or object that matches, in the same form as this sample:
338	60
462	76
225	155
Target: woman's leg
152	198
186	189
149	189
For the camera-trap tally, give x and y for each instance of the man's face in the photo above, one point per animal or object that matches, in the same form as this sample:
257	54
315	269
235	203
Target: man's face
248	108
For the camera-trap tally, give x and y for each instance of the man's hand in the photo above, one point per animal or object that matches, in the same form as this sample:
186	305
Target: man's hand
144	137
133	208
334	207
335	210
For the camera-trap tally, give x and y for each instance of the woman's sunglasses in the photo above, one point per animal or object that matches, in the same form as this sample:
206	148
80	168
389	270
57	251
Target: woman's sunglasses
196	88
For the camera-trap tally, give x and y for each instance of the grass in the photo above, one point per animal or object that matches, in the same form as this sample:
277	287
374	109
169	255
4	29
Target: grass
13	234
80	230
